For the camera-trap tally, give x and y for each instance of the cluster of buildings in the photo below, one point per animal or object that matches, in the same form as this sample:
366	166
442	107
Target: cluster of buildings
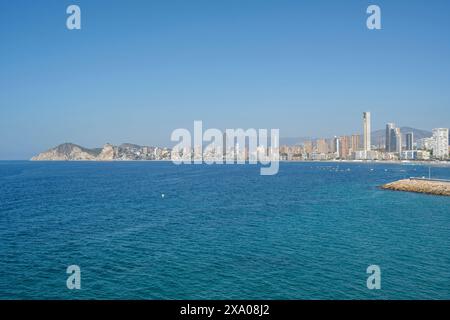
128	151
397	146
227	152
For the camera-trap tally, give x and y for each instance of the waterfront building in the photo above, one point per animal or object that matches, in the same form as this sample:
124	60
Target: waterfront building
224	146
398	140
366	155
425	144
440	147
389	128
388	156
344	147
408	155
423	155
395	144
367	128
332	145
415	155
317	156
308	147
356	142
410	141
321	146
336	146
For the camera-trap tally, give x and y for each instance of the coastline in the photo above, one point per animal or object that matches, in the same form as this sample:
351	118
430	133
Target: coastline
393	162
402	162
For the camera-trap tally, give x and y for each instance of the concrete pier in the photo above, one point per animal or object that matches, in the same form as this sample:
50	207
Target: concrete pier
429	186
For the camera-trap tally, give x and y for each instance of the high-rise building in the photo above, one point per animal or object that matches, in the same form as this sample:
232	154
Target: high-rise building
398	138
344	147
440	145
331	145
224	146
356	142
389	127
395	143
366	123
322	146
308	146
409	141
336	146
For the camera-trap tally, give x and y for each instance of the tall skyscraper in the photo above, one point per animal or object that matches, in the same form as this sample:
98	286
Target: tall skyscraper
336	146
396	140
409	141
344	147
356	142
389	127
393	138
366	122
331	145
440	145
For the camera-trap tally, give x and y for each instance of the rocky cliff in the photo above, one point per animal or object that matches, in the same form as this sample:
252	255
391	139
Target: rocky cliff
126	151
107	153
68	151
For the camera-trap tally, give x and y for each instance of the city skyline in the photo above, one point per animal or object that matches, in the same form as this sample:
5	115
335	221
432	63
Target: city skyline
135	73
220	147
343	145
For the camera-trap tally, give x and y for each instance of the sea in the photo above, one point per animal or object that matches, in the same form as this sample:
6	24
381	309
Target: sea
156	230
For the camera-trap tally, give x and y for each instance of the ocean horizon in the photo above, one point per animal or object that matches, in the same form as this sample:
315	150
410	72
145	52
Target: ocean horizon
155	230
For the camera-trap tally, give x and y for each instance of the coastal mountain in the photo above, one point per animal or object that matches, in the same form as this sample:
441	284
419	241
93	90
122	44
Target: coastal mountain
109	152
68	151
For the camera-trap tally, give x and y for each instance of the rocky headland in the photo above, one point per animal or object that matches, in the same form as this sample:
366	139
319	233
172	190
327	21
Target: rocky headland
109	152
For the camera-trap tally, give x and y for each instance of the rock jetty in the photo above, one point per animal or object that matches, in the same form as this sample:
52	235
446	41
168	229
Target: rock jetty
436	187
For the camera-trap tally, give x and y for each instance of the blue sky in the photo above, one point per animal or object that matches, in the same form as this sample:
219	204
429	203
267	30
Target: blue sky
139	69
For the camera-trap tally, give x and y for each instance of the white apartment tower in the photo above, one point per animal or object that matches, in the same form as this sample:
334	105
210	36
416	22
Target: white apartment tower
366	119
440	145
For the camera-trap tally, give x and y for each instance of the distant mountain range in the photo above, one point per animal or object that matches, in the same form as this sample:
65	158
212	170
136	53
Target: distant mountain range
378	136
289	141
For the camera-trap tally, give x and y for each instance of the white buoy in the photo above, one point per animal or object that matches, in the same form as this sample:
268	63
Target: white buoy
162	195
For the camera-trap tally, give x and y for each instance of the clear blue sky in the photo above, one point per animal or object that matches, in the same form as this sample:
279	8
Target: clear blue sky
139	69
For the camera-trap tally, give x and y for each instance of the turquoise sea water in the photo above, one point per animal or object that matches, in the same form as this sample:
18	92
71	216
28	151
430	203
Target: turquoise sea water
219	232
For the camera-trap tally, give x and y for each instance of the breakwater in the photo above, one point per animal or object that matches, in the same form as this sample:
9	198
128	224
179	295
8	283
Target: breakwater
429	186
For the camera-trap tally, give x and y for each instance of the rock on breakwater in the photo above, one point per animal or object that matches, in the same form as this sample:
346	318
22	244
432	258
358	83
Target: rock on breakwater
435	187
